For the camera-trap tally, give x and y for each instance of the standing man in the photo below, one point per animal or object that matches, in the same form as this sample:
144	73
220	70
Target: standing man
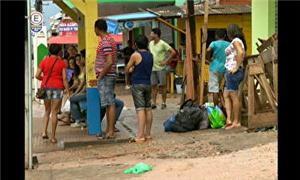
127	52
159	50
106	73
216	67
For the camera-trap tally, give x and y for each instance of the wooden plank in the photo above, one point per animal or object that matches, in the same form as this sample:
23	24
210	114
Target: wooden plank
204	39
268	90
255	68
189	63
267	55
250	96
261	120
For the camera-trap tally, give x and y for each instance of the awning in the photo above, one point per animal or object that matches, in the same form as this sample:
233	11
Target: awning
63	39
74	39
117	23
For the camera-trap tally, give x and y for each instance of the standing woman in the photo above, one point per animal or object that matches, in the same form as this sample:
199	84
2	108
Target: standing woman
234	74
55	85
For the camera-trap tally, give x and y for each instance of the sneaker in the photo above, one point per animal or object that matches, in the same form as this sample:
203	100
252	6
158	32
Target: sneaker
163	106
76	125
153	106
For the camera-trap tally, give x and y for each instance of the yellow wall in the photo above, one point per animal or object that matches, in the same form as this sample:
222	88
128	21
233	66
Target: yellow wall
221	21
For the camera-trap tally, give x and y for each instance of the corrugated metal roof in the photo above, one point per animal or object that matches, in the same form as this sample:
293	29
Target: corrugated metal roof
174	11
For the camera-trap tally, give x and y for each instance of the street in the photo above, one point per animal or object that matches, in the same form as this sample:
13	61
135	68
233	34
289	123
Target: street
204	154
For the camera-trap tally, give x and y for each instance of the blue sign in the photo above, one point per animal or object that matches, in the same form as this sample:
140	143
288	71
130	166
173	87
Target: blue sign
128	24
36	29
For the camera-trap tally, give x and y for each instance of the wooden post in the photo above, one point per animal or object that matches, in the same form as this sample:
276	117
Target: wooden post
204	39
189	56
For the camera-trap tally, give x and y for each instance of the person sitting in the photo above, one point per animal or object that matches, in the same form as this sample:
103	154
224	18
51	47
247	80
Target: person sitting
79	95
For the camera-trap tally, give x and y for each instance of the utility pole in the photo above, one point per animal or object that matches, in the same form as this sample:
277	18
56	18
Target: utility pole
28	92
189	50
204	39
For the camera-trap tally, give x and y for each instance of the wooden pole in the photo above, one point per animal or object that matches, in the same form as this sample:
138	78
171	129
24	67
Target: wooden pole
189	56
204	39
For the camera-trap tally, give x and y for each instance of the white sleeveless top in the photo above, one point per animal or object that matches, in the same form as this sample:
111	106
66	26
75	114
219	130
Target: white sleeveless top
231	54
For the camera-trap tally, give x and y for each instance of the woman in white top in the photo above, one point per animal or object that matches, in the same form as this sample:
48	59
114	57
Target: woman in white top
234	74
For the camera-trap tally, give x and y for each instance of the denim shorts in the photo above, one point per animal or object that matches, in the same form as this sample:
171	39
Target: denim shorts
55	94
141	94
106	88
232	81
214	82
158	77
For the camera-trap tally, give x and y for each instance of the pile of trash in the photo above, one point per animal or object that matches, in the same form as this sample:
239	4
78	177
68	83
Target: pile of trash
194	117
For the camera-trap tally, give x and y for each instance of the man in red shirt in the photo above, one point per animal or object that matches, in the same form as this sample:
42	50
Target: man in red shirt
105	68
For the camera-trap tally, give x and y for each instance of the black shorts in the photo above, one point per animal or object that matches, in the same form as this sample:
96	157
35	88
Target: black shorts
141	94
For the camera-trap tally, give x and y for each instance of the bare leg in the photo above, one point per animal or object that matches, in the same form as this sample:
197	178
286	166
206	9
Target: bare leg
54	110
141	123
227	107
148	123
236	108
154	93
47	104
111	117
164	93
216	98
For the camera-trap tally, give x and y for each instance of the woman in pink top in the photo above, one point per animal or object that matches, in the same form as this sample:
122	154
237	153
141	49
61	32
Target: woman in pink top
234	74
55	85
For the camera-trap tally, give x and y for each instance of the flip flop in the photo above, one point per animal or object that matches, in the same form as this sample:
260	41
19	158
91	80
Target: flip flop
228	124
45	136
148	137
53	140
139	140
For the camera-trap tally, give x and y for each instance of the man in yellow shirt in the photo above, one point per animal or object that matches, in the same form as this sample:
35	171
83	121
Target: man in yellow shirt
160	50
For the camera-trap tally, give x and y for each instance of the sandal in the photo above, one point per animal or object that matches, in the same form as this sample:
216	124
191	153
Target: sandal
148	137
53	140
137	140
45	136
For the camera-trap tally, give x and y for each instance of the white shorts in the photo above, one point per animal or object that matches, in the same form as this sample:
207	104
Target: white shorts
214	82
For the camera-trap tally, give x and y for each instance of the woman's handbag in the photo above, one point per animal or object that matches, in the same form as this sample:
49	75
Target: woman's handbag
41	93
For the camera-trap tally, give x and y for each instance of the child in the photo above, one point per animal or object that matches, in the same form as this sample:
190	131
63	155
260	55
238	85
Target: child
140	64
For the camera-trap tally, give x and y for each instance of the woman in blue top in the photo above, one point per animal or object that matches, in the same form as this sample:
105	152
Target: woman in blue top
140	64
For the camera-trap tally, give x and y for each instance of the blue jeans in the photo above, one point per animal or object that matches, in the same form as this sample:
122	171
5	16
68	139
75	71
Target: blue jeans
119	107
75	102
232	81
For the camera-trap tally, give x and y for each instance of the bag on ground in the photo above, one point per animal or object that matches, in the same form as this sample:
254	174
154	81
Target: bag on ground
188	118
216	117
66	107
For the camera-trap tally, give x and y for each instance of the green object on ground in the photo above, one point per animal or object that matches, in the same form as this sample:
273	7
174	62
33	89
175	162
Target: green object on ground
138	169
216	117
42	51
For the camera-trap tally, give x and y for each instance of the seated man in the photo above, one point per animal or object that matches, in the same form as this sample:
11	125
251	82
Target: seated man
119	107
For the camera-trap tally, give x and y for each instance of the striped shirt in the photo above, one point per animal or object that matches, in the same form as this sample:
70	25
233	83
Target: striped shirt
107	46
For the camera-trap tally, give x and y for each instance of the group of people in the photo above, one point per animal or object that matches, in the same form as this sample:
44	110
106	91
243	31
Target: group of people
147	65
227	62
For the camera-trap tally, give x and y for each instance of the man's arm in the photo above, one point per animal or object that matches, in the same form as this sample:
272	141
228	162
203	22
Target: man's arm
130	66
172	53
107	66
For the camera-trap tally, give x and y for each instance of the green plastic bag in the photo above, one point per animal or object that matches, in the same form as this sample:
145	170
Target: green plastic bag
216	117
138	169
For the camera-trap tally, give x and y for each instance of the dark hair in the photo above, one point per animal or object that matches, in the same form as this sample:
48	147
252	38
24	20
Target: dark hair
77	55
76	70
82	52
141	42
54	49
70	58
156	31
220	33
101	25
234	31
